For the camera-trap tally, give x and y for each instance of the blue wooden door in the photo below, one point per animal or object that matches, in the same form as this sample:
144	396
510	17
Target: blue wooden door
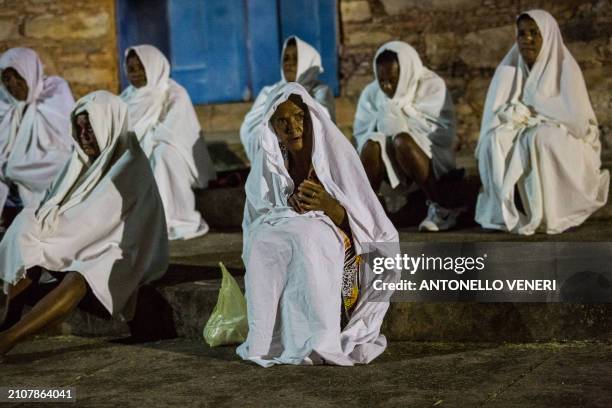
227	50
208	43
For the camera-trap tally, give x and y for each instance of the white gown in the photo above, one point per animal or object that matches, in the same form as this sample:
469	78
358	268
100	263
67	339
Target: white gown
35	138
165	122
539	135
103	219
294	262
421	107
308	70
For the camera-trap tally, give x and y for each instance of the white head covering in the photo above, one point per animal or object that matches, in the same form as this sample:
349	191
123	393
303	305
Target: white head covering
34	142
109	121
27	64
146	103
337	167
309	60
103	219
162	112
421	106
553	87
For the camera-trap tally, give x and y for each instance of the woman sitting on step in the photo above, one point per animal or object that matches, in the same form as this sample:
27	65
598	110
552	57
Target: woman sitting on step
300	63
405	131
309	214
34	127
165	123
539	149
99	230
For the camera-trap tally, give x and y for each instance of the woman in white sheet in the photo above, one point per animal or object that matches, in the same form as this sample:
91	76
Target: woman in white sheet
165	122
100	228
34	126
539	137
405	130
309	215
300	63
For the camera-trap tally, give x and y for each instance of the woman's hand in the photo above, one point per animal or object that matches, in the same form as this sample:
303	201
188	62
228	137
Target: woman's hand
312	196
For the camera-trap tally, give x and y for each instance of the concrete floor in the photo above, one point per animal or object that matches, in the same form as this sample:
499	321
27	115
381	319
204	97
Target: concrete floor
187	373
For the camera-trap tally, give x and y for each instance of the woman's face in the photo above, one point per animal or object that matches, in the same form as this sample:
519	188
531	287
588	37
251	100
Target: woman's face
288	124
86	137
388	73
290	62
15	84
529	40
135	70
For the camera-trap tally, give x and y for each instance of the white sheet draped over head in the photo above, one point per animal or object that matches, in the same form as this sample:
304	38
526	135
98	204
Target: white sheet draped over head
539	133
308	69
166	124
421	107
102	219
309	61
34	134
316	254
554	87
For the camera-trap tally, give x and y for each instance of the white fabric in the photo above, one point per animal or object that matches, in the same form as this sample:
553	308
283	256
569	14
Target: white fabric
421	107
539	133
309	65
165	122
294	262
34	134
102	219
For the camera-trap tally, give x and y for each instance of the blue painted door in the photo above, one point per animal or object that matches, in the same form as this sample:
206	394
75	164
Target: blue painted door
208	43
227	50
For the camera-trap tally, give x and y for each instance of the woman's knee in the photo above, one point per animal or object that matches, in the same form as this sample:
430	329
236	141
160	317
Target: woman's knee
76	283
406	144
371	152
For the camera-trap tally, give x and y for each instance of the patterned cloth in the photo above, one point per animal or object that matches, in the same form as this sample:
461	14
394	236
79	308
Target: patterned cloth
350	279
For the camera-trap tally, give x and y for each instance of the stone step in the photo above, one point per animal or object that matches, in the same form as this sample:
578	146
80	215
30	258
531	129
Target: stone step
191	286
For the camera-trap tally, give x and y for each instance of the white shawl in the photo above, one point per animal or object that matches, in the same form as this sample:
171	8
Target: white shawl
103	219
308	69
34	134
340	171
560	184
421	106
161	112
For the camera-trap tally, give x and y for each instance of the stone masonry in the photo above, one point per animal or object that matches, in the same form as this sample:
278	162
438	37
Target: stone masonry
75	39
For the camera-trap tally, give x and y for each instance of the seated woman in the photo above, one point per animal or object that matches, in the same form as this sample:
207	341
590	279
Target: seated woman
300	63
100	228
34	126
405	129
308	215
165	122
539	137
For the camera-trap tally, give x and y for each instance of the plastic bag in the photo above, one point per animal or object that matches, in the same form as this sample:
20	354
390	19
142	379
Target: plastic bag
228	322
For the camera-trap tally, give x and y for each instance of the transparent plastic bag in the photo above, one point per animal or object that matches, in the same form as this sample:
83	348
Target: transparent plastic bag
228	322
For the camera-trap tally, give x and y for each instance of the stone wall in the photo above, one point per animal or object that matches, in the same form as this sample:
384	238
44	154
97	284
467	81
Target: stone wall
464	40
74	38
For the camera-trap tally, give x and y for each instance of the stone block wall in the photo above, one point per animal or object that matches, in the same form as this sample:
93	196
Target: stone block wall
75	39
464	40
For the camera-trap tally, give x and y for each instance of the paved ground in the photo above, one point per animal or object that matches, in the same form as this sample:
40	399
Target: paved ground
187	373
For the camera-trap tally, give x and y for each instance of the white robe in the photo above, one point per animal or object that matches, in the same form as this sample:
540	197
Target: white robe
103	220
421	107
34	134
165	122
308	69
539	133
294	262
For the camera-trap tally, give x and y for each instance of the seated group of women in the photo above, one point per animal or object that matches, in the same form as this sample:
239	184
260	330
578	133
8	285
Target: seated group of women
311	202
